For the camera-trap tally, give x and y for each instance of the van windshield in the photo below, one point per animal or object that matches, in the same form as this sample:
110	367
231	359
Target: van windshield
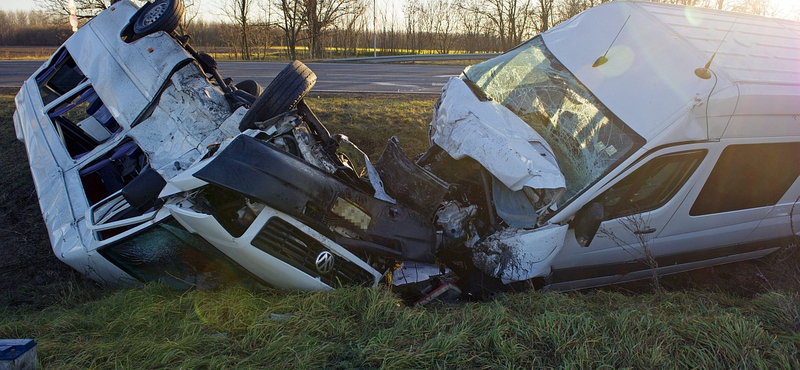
587	139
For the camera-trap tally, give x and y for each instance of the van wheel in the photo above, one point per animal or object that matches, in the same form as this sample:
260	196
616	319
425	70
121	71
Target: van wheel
281	95
161	15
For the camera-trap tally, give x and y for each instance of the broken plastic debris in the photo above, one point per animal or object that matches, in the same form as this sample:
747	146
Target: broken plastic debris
446	292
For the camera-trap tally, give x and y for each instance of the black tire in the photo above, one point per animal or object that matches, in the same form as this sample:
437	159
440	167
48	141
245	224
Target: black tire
281	95
161	15
250	86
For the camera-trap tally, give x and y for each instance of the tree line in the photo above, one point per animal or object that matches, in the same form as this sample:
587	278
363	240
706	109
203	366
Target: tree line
314	29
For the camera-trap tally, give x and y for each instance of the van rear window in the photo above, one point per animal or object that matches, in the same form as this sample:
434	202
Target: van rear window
749	176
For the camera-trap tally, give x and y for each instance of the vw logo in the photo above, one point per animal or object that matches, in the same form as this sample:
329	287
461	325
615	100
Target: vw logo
324	262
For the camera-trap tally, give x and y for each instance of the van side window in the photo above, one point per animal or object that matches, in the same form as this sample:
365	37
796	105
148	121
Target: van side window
83	122
60	76
749	176
651	185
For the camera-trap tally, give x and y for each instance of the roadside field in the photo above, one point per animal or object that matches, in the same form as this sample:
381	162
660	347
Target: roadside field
224	53
26	52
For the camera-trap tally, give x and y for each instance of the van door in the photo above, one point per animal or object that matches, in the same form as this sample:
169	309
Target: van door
744	205
638	207
734	206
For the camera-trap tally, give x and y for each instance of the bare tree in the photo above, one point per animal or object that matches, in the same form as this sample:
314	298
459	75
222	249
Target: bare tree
470	23
85	9
544	14
291	22
508	19
33	27
390	34
263	30
348	27
190	13
410	11
238	12
567	9
444	24
322	14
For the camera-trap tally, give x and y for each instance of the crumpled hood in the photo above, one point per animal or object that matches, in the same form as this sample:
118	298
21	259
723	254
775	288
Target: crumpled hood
491	134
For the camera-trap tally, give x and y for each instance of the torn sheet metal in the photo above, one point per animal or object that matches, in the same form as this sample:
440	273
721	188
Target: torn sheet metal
409	183
142	171
372	174
491	134
189	114
455	220
516	255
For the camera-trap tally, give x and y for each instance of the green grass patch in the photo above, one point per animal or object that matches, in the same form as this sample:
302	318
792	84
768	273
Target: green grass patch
155	327
369	120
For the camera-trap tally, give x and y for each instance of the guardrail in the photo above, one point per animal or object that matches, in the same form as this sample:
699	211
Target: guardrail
414	58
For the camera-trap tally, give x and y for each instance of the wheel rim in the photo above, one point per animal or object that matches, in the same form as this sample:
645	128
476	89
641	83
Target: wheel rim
154	13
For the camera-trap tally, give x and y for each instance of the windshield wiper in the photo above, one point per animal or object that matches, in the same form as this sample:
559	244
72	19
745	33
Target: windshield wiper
475	89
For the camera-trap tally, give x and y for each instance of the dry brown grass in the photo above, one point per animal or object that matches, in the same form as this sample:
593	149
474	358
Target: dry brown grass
26	52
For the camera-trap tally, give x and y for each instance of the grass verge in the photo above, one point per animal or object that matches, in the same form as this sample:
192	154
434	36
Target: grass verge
155	327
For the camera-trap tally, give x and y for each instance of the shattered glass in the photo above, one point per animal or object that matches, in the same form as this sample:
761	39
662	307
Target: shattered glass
169	254
588	140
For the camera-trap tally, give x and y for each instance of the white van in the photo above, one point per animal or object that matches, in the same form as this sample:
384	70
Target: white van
552	165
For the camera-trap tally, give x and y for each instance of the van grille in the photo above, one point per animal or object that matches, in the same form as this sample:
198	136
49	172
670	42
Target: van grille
285	242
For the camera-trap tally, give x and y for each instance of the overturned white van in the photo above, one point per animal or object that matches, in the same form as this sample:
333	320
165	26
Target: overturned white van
554	165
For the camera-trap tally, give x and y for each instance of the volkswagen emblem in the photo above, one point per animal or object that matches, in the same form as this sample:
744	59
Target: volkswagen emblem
324	262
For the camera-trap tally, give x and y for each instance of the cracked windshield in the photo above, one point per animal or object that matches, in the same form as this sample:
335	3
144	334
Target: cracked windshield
586	138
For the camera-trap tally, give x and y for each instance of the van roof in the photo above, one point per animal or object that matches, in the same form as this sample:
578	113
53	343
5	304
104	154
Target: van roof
756	50
649	80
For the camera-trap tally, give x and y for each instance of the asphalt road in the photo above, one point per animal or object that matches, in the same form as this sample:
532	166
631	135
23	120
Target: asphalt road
331	77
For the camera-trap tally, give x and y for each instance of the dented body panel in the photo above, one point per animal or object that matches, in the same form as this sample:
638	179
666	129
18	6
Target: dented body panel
491	134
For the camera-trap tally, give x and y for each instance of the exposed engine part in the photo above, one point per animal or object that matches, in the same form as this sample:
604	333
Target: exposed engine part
454	220
310	150
249	212
280	124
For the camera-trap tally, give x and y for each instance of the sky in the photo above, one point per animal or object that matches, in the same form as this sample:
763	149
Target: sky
790	7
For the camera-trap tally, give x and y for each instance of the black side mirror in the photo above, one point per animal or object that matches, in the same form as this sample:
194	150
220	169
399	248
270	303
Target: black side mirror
587	222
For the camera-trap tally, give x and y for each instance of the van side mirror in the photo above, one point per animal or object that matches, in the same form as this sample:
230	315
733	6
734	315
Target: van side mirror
587	222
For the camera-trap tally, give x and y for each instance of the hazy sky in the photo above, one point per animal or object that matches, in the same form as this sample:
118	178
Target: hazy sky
790	7
16	4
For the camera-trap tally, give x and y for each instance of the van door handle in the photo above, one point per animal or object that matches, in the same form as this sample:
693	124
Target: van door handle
645	231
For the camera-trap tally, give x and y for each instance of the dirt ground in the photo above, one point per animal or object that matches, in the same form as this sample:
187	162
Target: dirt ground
32	277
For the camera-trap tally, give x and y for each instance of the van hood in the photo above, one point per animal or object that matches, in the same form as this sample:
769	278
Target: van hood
491	134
